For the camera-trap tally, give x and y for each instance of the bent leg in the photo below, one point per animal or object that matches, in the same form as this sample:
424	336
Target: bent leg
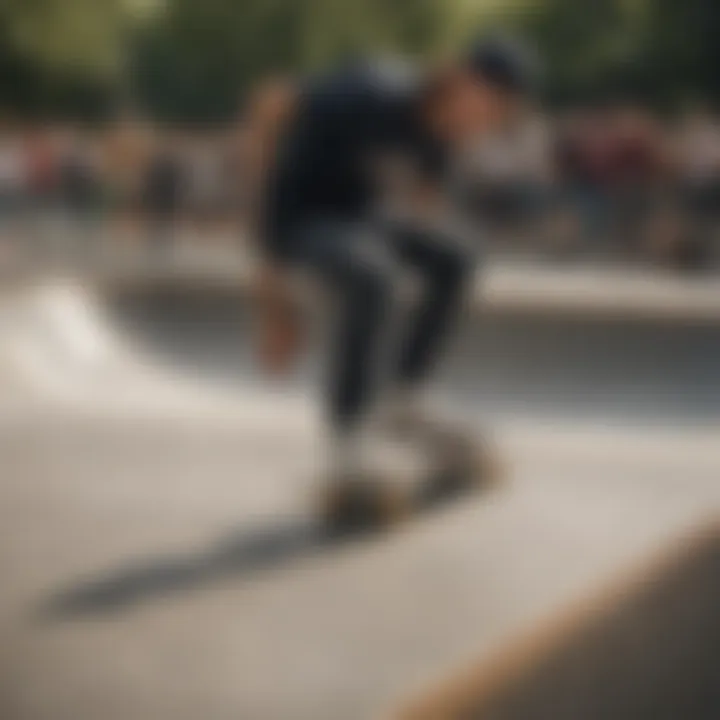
445	265
360	269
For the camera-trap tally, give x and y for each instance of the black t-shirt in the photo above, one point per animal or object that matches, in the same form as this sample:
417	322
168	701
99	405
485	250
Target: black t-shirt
343	123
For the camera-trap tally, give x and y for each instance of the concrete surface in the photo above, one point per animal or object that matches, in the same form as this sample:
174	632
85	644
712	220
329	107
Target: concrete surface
157	559
645	649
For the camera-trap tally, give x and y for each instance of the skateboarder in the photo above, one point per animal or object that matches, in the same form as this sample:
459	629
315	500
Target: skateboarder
332	151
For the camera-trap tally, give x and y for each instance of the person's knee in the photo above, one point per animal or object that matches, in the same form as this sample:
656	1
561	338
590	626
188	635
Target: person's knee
372	283
453	261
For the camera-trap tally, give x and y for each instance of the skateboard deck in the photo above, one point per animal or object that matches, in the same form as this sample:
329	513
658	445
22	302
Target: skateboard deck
367	504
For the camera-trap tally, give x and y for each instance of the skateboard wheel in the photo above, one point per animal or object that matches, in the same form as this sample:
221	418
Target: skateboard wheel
362	505
463	465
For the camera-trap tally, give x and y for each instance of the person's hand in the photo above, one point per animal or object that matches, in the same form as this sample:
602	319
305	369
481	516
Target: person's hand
279	335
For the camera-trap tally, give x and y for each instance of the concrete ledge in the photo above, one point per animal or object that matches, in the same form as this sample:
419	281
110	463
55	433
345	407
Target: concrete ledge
648	647
501	287
602	291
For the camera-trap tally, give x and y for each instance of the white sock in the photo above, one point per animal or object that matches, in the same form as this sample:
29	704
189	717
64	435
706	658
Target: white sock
403	404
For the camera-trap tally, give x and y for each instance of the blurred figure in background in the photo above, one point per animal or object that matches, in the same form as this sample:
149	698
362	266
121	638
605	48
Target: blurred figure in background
42	156
13	187
636	174
81	193
509	180
162	193
232	182
239	181
128	150
697	155
582	158
206	183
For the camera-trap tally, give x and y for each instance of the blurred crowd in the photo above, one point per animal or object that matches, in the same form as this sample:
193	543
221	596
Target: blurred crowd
611	180
89	186
607	181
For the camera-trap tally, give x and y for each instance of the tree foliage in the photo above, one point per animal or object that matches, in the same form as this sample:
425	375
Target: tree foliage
200	57
55	52
197	58
655	50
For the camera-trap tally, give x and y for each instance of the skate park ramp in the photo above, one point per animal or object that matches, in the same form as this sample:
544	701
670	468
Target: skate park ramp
648	649
159	557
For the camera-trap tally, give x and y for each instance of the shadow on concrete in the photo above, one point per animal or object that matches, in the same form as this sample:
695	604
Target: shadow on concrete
241	555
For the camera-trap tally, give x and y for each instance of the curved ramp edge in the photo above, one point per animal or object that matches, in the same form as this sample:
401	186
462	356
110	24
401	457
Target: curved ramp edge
647	646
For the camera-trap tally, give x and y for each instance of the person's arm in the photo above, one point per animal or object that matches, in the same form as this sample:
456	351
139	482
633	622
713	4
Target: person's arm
278	317
277	312
269	111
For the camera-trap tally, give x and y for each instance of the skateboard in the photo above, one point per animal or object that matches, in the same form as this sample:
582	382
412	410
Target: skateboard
369	502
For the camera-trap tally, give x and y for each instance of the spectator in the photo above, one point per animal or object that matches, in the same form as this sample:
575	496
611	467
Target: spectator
42	181
511	176
206	186
128	151
635	173
232	180
582	158
698	162
162	192
81	191
42	164
13	178
697	192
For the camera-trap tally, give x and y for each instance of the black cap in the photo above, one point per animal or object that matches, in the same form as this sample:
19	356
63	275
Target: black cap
505	62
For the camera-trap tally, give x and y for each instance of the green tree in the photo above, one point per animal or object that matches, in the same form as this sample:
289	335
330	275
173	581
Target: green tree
58	51
683	47
198	58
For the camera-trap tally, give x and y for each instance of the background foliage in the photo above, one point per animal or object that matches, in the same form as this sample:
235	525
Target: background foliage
195	59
